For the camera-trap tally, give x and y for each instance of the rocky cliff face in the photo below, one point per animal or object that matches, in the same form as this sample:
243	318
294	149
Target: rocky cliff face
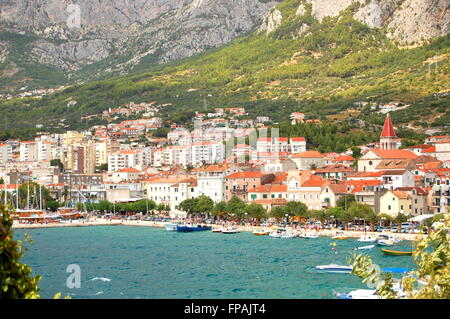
406	21
126	31
119	36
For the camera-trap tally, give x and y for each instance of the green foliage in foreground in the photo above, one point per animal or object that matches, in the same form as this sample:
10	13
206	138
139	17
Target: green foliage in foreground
431	279
16	281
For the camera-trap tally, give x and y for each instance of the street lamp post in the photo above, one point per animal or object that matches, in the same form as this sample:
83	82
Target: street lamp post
287	218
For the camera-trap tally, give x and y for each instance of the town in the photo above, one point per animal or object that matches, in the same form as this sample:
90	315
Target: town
113	163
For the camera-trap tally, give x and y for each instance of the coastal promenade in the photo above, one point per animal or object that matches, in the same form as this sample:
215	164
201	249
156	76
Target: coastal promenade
142	223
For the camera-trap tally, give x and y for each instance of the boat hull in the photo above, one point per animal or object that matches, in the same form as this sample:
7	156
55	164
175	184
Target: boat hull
188	229
396	253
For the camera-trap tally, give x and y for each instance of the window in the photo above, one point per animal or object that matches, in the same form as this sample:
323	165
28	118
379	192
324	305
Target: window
389	207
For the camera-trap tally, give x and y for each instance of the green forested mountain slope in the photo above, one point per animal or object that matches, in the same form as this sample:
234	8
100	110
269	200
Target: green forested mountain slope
321	72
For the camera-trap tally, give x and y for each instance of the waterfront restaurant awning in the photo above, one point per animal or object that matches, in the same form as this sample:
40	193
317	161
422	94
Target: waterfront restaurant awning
421	218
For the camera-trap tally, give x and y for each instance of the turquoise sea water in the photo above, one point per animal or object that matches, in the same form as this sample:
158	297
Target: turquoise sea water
144	262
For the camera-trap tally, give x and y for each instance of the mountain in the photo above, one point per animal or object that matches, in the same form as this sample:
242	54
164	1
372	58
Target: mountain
112	36
319	57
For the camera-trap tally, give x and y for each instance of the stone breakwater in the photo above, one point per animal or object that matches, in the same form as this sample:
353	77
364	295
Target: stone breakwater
105	222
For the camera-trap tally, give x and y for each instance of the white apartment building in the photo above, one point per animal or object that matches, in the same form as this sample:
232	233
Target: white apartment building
5	153
126	159
179	155
207	152
28	151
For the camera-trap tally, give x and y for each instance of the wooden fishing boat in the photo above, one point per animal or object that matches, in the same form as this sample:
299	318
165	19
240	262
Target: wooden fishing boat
396	253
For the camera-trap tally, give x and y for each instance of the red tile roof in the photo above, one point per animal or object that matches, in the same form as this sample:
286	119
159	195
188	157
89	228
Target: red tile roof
314	181
245	175
308	154
394	154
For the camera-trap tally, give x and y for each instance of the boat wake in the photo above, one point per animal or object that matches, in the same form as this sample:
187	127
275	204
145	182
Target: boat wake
100	278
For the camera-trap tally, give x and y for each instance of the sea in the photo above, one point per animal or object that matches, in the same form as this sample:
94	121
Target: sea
129	262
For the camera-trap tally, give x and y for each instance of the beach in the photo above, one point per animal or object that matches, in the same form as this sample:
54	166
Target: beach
247	228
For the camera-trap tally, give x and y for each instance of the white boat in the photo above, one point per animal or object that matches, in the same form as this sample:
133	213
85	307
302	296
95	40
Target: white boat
230	230
217	230
367	238
372	293
360	294
308	236
385	242
288	235
394	239
275	234
335	268
170	227
281	234
365	247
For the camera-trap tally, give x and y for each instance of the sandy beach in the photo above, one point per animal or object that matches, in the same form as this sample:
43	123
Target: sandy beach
142	223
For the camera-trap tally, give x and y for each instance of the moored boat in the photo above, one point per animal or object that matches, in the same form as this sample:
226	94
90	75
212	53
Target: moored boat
365	247
367	238
385	242
192	228
360	294
230	230
308	236
335	268
396	252
261	232
217	230
171	227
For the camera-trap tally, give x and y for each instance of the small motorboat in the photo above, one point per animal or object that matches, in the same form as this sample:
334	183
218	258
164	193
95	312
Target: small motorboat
335	268
261	232
281	233
394	239
217	230
171	227
360	294
367	238
275	234
339	237
308	236
230	230
396	252
385	242
288	235
365	247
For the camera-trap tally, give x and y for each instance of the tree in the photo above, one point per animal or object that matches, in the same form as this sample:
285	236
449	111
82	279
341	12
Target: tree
188	205
431	256
204	204
298	209
320	215
345	201
57	162
363	211
236	207
277	212
102	167
220	209
52	205
16	281
256	211
399	219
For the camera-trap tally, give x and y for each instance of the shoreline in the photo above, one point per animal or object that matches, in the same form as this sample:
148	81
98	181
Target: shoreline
140	223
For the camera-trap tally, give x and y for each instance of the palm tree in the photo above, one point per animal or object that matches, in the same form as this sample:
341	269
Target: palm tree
399	219
321	216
